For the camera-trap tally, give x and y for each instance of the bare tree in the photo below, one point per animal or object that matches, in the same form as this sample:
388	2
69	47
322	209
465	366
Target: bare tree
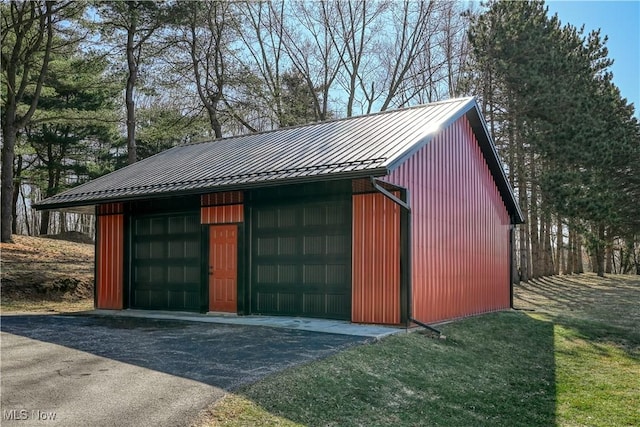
206	34
438	69
365	55
263	55
412	23
312	52
455	44
135	22
353	35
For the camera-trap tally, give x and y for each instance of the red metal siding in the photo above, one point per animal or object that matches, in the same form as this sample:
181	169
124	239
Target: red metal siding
111	208
225	198
110	258
222	214
376	260
222	208
460	228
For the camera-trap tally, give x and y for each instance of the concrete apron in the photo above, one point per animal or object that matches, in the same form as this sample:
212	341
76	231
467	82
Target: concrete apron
300	323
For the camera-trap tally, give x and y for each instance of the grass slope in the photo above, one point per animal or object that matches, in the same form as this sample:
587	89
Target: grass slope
574	361
40	274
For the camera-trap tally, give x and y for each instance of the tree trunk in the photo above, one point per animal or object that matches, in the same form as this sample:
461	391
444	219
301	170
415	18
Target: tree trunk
52	184
522	198
547	248
6	195
26	212
570	251
213	120
130	105
577	255
524	271
16	194
560	265
63	222
515	274
608	255
534	225
44	223
599	251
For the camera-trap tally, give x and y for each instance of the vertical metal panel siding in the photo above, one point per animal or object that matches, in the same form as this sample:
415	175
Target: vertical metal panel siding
222	214
224	198
109	280
376	260
460	228
111	208
222	208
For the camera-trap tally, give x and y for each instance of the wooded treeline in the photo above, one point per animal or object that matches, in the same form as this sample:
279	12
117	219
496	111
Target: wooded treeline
570	141
91	86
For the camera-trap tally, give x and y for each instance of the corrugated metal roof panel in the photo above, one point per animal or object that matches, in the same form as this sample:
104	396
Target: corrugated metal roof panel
357	146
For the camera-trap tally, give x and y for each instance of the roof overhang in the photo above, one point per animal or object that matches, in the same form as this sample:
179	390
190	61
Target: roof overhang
490	153
87	205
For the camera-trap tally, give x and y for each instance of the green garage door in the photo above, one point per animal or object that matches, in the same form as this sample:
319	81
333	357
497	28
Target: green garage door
165	270
301	259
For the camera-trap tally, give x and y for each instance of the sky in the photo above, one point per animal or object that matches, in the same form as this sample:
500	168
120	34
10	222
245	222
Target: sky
620	21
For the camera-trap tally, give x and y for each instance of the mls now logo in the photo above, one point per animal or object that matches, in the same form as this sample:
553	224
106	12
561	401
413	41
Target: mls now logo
15	415
23	414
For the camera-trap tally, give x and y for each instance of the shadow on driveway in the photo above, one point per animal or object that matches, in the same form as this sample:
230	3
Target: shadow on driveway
224	356
109	371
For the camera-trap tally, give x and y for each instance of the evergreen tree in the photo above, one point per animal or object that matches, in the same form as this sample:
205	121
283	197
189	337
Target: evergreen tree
569	140
161	127
27	31
74	122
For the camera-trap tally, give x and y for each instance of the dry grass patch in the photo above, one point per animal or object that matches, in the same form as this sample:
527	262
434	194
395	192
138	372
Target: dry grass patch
41	274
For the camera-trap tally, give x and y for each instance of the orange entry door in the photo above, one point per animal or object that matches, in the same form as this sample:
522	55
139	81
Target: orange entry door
223	268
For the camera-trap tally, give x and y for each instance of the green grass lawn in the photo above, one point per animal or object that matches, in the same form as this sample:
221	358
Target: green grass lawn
573	361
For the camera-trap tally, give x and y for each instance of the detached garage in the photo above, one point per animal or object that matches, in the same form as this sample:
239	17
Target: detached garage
400	215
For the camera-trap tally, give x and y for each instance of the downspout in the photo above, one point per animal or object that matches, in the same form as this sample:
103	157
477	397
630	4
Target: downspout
404	204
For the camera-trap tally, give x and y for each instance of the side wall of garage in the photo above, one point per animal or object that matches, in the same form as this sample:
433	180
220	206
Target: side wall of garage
460	228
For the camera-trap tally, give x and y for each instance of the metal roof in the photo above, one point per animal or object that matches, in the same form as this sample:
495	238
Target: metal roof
355	147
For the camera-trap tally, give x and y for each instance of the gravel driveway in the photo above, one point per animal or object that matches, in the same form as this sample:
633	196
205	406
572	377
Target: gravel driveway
111	371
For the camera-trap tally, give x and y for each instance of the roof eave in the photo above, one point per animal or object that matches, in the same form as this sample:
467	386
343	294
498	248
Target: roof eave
479	126
43	205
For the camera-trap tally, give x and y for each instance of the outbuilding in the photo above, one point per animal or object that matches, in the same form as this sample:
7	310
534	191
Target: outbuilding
383	218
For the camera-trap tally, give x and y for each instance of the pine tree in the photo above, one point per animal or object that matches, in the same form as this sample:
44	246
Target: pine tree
74	120
569	140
